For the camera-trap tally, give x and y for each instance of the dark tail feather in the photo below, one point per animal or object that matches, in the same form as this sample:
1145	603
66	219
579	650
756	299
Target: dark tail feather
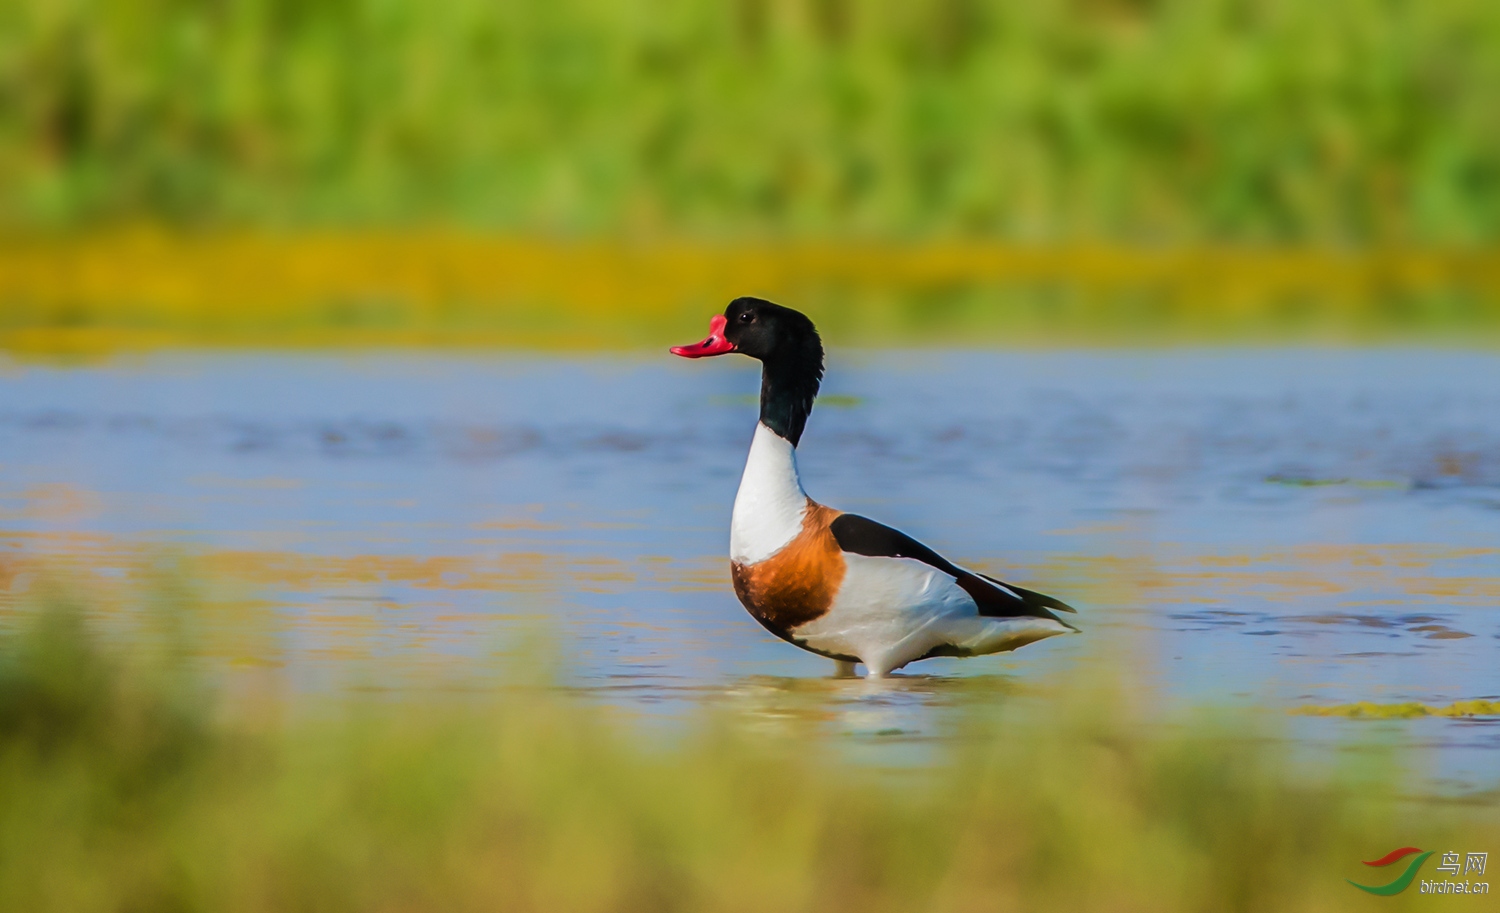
1032	597
1035	600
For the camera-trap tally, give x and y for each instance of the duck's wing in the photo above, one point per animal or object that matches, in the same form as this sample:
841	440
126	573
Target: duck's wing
862	536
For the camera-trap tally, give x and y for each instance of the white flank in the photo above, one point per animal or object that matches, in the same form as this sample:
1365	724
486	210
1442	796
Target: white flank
891	611
769	507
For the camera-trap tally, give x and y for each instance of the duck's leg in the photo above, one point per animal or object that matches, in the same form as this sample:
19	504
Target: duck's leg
883	664
843	668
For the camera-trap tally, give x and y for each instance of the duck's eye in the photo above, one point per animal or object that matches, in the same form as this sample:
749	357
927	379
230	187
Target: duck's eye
747	318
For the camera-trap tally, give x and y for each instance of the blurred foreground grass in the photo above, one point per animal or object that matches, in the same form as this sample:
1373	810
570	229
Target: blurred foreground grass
129	783
131	289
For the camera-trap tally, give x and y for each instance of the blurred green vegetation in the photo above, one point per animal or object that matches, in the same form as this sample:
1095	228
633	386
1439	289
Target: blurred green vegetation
126	784
1139	120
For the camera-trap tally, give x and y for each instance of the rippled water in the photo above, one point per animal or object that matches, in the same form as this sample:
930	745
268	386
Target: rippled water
1278	527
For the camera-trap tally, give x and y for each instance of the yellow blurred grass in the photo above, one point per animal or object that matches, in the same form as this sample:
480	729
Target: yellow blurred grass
141	288
1406	710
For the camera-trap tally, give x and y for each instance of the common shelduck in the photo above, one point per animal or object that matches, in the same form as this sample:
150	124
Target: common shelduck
837	584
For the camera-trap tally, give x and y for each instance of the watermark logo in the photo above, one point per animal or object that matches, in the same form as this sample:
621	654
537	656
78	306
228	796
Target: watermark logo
1449	863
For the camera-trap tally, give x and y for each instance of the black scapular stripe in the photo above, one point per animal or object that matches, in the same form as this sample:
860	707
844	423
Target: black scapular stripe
863	536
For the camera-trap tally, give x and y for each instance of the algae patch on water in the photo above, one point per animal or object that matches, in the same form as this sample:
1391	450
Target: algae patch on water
1367	710
1314	482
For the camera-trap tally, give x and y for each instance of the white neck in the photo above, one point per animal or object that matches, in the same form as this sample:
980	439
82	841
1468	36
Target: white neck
769	507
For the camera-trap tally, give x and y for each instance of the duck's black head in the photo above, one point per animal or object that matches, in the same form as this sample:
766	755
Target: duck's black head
790	352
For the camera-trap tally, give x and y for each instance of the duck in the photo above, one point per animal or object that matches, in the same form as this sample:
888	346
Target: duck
833	583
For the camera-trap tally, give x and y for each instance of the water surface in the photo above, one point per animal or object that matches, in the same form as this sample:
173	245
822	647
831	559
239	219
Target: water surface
1272	527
